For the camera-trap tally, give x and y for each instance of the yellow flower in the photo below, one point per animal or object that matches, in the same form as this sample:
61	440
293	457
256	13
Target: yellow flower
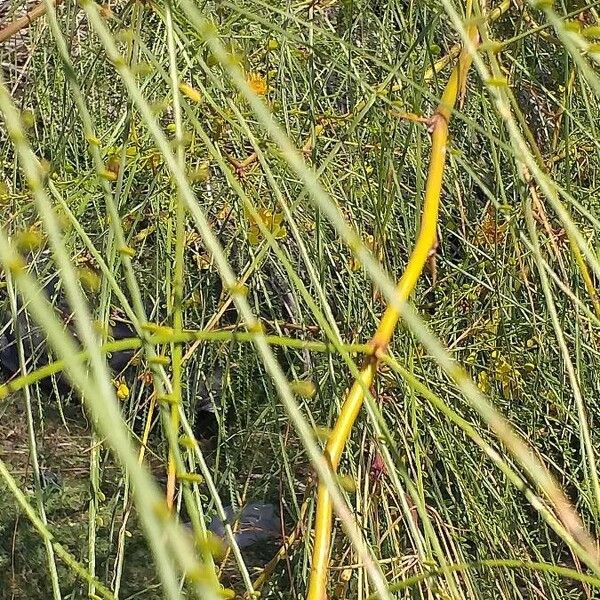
272	221
483	382
303	388
122	390
193	94
89	279
257	83
29	239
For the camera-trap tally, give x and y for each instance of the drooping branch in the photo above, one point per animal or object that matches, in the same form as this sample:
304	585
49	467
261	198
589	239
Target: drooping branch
424	246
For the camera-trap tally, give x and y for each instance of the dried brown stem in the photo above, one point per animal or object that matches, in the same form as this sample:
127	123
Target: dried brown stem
17	25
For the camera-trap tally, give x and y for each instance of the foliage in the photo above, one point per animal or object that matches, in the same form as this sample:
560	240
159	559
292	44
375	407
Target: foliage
179	203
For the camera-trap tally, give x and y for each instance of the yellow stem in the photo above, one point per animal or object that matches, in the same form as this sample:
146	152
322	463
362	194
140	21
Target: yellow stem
425	244
585	274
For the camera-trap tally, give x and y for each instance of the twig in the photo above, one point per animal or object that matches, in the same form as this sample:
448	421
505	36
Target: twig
15	26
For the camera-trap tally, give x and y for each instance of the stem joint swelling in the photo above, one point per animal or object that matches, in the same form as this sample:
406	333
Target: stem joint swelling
377	349
423	251
437	119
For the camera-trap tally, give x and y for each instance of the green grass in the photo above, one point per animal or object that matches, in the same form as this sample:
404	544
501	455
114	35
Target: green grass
507	300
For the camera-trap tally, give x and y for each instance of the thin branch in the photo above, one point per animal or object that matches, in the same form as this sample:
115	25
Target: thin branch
22	22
